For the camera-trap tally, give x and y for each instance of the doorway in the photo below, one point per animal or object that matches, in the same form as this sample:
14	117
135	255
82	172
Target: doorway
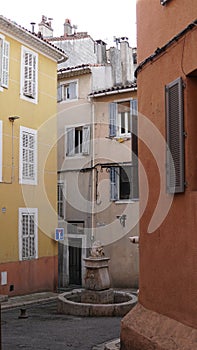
75	255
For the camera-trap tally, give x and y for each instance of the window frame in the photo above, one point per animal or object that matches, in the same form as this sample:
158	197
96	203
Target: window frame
61	91
30	97
126	116
22	180
115	184
70	141
34	212
115	119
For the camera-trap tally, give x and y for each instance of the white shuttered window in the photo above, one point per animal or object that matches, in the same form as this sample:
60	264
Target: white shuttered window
4	62
29	75
28	233
28	156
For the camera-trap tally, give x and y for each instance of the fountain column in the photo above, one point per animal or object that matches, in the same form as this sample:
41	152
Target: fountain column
97	280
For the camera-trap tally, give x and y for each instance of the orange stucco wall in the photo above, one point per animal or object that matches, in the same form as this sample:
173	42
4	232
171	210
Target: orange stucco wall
168	256
157	24
30	276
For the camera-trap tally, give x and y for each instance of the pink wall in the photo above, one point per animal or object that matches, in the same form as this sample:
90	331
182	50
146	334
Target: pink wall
157	24
168	256
30	276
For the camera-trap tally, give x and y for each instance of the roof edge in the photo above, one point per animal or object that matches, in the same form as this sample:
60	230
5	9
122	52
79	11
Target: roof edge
32	39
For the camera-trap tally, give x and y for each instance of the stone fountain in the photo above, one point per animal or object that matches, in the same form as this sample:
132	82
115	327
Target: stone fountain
97	298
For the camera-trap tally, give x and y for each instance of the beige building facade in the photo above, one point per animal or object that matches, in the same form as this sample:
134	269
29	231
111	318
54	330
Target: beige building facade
97	177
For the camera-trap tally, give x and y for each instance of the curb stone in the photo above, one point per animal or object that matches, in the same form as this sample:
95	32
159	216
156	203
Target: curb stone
111	345
30	299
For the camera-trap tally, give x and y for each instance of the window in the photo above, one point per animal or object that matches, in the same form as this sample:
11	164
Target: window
122	184
4	62
120	118
1	151
28	156
60	200
29	75
175	137
28	233
78	140
67	92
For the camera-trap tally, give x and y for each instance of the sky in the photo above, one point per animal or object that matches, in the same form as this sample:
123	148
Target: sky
103	20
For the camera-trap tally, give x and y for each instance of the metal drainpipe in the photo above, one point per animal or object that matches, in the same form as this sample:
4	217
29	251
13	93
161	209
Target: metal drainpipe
93	173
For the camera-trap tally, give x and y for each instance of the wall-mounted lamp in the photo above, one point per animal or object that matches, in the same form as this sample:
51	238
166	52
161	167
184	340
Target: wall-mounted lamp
12	119
134	239
122	219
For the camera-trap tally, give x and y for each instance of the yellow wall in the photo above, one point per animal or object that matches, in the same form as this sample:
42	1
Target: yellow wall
36	116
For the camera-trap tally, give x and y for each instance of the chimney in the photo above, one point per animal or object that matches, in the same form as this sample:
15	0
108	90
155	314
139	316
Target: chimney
67	27
115	61
125	53
33	27
45	28
101	52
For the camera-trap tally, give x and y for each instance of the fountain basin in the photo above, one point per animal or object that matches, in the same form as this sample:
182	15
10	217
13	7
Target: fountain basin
70	303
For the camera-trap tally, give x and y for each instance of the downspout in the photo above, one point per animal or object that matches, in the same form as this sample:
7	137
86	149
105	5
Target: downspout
93	173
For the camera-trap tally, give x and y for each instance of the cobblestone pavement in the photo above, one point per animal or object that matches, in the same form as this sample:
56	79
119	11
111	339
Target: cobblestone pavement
44	329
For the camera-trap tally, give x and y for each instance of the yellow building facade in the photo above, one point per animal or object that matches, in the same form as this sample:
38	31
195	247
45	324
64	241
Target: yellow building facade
28	89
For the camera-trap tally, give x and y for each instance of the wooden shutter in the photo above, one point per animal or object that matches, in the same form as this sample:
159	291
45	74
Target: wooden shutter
72	90
70	141
32	251
134	126
5	64
134	148
1	56
175	137
113	184
59	93
112	119
29	88
25	243
28	236
28	156
86	140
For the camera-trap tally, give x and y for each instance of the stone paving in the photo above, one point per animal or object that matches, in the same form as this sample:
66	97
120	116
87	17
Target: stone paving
44	329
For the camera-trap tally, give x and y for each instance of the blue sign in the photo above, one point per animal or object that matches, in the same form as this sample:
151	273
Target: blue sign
59	234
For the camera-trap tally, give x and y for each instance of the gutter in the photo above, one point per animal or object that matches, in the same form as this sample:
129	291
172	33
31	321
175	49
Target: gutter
112	92
32	39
